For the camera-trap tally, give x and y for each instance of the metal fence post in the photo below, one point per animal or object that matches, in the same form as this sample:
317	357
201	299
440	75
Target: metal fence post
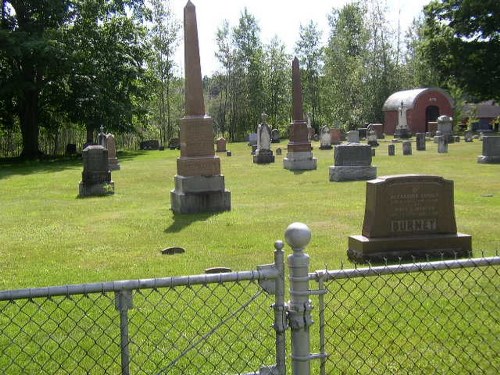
280	323
298	235
123	302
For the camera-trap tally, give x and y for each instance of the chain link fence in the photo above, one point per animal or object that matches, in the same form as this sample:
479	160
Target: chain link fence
201	326
433	317
430	317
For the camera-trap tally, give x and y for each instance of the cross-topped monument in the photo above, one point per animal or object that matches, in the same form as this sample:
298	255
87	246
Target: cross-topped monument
199	184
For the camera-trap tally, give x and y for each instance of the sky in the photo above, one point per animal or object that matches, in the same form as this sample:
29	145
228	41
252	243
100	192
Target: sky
281	18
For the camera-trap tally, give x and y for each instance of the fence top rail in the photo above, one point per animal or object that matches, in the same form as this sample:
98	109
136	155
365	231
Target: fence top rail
403	268
116	286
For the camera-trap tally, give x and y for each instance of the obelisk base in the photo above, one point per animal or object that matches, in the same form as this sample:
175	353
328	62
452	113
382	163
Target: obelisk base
197	194
299	161
363	249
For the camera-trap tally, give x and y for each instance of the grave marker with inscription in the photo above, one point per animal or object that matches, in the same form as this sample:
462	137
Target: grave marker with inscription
409	216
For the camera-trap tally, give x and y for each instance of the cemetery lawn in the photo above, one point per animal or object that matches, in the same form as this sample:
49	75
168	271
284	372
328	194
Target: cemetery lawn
49	236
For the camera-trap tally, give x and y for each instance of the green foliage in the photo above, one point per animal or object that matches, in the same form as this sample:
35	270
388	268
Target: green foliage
462	42
310	55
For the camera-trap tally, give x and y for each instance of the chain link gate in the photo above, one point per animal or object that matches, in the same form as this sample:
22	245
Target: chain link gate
407	318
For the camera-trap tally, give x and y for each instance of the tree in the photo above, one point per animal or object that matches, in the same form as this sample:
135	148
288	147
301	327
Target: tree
310	54
80	60
247	85
277	83
345	57
32	54
462	41
108	50
164	36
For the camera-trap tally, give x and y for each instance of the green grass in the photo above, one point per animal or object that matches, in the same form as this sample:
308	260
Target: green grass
397	324
49	236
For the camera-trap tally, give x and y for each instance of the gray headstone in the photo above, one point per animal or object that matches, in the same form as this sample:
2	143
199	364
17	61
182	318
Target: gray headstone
96	176
407	148
391	150
420	140
491	150
325	138
352	136
352	162
442	144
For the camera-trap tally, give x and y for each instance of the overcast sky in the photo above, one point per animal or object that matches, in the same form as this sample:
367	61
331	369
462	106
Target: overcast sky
274	17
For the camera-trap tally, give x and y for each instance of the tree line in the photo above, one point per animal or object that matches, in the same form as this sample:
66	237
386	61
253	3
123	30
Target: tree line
80	64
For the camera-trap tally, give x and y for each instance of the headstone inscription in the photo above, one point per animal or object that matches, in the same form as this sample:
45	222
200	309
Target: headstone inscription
263	153
491	150
199	184
409	216
96	176
299	155
352	162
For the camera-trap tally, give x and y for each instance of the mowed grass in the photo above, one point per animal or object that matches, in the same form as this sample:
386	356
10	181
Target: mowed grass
49	236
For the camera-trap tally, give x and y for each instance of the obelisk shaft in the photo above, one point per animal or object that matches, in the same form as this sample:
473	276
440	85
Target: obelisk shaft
298	111
194	105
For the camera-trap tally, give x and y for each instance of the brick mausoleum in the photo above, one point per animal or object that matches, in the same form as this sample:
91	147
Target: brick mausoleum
422	106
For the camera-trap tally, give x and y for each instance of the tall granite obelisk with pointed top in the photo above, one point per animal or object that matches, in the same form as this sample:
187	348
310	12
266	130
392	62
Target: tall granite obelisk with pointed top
299	155
199	184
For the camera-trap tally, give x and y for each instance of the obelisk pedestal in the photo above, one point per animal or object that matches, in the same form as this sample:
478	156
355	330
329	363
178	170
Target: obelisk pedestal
199	184
299	155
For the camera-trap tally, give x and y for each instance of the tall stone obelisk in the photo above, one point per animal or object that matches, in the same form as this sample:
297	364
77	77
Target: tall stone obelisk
199	184
299	155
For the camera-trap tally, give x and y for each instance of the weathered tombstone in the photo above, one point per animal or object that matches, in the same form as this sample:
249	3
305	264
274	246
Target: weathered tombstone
278	151
442	144
96	176
379	129
445	126
420	140
174	143
391	150
352	162
199	184
352	136
101	137
409	216
335	136
402	130
275	136
299	155
468	136
229	153
326	139
491	150
407	148
111	146
263	153
371	137
151	144
220	145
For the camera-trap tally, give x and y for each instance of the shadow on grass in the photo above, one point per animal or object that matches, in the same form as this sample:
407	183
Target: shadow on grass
17	166
182	221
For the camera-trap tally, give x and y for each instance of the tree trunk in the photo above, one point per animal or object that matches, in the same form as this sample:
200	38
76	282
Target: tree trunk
28	116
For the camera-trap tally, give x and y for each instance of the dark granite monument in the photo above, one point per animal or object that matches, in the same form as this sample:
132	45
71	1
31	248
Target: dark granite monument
409	216
352	162
96	176
491	150
199	184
